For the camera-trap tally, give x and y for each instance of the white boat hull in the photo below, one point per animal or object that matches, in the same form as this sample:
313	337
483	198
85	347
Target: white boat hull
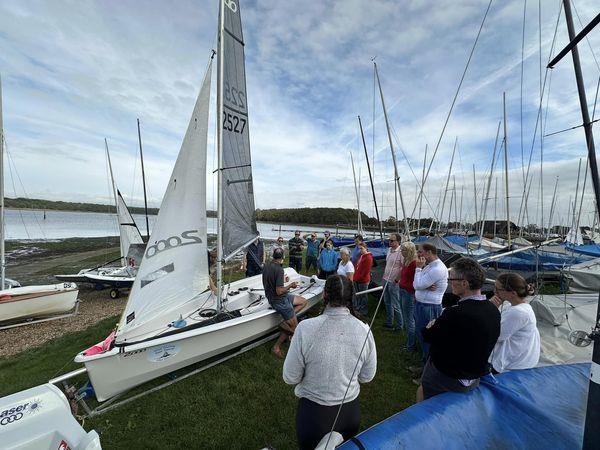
37	301
121	369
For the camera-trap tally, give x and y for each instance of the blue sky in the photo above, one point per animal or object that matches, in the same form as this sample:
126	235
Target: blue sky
75	72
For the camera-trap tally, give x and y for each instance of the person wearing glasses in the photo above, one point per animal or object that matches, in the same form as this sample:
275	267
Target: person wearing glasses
327	235
328	359
295	246
345	267
462	337
279	243
518	346
430	283
391	290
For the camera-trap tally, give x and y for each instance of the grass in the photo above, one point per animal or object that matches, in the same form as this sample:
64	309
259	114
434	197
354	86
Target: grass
242	403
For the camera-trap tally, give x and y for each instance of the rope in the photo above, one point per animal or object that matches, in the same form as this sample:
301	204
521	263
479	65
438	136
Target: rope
337	415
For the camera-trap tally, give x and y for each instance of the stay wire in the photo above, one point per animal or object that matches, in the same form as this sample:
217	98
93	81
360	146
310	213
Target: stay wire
337	415
437	145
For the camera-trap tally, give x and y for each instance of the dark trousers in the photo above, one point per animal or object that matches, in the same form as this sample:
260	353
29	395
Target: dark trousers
313	421
296	263
323	274
312	261
253	270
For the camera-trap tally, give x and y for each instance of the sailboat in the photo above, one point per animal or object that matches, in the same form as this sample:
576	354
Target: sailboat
172	319
131	247
19	304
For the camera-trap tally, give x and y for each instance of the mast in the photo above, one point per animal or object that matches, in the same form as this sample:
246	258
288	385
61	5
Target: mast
495	204
143	182
2	260
371	179
552	206
358	222
573	214
475	196
420	196
506	170
396	176
489	184
591	435
447	183
220	64
114	188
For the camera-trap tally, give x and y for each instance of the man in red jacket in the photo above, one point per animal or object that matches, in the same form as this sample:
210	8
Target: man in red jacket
362	278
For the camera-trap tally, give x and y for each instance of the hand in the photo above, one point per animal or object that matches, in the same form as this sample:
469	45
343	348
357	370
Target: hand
430	324
433	287
294	285
421	262
496	301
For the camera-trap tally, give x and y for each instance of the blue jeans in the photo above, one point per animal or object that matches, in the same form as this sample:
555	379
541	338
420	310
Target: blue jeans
391	300
424	313
407	305
361	302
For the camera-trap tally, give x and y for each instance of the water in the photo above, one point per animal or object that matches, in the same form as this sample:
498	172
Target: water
30	224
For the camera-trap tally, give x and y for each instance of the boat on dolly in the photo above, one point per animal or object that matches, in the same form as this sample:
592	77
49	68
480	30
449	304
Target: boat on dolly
173	319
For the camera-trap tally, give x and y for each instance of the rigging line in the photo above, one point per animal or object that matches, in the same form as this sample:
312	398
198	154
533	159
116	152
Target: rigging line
541	192
12	179
538	115
437	146
522	69
569	129
586	37
595	101
369	332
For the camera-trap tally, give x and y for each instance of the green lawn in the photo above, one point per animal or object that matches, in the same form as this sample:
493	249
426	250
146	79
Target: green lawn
242	403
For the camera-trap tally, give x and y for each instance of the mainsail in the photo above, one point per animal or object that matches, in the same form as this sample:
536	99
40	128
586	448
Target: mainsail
237	196
174	268
130	234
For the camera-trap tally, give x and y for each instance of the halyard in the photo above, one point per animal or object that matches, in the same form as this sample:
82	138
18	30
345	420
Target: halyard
241	403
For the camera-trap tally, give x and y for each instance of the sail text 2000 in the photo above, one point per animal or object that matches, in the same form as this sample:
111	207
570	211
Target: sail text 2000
186	238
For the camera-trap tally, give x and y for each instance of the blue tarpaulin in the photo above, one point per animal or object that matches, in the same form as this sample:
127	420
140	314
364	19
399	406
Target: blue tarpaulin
523	409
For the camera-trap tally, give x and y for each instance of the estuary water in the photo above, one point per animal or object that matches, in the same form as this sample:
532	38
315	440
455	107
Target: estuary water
31	224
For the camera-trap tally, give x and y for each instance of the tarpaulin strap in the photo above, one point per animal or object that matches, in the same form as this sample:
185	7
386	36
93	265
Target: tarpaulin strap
357	443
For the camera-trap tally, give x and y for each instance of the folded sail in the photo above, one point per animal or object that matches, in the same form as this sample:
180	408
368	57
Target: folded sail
130	234
174	268
239	221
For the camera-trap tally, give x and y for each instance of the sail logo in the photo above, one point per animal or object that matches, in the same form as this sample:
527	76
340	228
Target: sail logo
186	238
231	4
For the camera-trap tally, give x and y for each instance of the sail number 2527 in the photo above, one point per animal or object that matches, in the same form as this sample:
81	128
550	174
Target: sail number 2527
232	122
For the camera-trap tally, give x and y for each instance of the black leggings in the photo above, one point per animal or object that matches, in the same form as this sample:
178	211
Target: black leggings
313	421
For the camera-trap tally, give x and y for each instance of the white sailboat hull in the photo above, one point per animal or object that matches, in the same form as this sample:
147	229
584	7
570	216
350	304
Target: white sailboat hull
37	301
121	369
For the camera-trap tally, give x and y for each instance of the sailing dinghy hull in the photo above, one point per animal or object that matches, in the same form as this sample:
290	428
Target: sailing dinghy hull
37	301
123	368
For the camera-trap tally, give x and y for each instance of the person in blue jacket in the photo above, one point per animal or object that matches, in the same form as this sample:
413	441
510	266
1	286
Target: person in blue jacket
328	260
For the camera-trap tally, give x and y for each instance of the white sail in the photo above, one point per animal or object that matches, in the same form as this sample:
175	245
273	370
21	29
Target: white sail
238	216
130	234
174	268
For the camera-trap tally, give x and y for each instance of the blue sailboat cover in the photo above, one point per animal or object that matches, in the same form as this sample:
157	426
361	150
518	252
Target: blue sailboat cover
523	409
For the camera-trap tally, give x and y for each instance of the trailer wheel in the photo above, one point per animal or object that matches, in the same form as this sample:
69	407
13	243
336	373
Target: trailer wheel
114	293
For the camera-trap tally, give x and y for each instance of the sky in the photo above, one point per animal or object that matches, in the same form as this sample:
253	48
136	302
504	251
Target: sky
77	72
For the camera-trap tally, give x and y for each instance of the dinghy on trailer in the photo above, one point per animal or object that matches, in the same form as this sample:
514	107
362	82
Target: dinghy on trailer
172	319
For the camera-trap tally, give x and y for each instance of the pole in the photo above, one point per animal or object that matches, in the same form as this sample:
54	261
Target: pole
2	259
495	204
362	135
447	183
506	170
143	182
552	206
220	74
112	180
489	184
591	434
396	176
420	196
475	197
357	195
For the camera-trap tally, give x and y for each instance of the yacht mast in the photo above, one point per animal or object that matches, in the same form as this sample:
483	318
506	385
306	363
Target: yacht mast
143	181
371	178
506	170
220	64
2	259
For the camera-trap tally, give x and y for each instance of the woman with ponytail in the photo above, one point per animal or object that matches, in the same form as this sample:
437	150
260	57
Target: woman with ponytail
518	346
328	357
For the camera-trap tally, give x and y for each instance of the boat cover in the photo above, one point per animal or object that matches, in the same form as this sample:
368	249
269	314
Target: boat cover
590	249
584	277
535	408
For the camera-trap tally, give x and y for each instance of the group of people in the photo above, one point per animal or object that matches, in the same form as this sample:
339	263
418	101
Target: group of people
331	355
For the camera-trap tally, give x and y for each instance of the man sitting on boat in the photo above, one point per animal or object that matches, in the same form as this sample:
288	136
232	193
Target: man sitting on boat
286	304
463	337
